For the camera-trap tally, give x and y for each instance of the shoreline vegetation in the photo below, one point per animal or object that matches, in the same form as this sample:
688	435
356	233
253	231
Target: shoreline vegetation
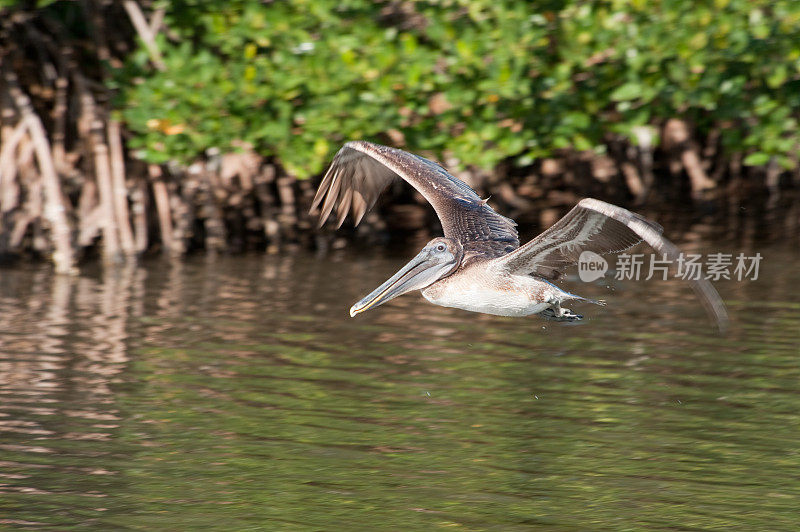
131	128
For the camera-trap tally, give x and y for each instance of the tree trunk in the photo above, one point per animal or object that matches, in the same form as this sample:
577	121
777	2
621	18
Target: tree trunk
55	211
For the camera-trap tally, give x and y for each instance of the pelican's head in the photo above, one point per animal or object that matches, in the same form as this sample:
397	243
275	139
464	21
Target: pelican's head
439	258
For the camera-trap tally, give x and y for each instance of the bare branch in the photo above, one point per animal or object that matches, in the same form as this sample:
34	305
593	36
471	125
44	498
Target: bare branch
102	169
119	190
156	20
145	32
61	232
161	196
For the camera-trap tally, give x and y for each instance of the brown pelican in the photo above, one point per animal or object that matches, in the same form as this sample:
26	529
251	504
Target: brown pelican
478	264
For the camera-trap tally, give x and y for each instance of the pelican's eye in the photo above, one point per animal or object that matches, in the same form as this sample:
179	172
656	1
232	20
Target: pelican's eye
441	247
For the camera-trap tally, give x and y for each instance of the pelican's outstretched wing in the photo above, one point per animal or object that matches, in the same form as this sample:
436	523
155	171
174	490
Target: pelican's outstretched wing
594	225
362	170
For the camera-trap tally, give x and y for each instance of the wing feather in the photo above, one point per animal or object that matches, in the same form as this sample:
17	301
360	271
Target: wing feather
333	185
362	170
344	207
359	206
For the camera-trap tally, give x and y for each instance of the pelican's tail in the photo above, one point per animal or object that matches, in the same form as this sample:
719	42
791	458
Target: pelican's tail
601	302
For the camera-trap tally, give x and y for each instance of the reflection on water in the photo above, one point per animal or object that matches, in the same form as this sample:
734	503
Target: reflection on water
238	394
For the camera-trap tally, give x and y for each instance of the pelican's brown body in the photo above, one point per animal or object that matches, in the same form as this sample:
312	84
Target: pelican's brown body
479	265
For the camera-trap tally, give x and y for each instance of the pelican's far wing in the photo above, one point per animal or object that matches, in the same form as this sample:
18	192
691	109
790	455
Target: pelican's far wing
600	227
592	225
362	170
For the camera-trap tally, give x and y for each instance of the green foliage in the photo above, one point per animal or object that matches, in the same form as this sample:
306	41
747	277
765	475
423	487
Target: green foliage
482	79
25	4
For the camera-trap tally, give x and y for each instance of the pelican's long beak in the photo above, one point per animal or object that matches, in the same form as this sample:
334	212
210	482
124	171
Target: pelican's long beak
420	272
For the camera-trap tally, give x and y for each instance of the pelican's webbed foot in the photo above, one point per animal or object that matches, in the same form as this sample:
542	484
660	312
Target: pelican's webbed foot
559	313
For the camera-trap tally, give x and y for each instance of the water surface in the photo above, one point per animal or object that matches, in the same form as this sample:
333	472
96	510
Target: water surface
237	394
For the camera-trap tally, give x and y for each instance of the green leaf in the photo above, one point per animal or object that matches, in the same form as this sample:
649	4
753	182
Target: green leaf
756	159
628	91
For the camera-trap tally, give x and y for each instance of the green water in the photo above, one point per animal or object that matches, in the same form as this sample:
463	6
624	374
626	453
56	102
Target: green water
237	394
